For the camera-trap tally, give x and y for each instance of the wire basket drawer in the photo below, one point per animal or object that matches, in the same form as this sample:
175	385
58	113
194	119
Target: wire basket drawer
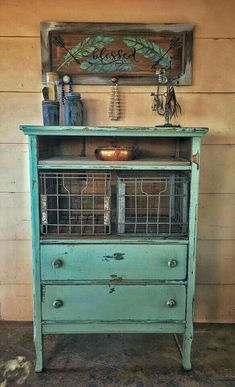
75	203
154	203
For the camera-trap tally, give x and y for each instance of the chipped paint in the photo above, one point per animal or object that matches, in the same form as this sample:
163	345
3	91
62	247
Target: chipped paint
16	371
116	280
43	293
116	256
34	182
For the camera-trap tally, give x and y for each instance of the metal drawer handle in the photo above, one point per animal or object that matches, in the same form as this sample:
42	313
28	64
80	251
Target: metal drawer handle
171	303
172	263
57	263
57	304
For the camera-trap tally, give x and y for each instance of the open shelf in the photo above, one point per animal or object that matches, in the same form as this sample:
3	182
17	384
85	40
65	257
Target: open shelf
74	162
150	153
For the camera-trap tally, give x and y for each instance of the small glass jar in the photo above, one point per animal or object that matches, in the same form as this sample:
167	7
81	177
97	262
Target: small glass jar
51	112
73	110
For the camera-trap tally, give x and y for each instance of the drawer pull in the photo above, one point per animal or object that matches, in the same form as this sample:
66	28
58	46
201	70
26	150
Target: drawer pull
172	263
57	263
171	303
57	304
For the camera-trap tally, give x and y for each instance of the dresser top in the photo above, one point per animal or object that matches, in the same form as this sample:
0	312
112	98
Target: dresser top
136	131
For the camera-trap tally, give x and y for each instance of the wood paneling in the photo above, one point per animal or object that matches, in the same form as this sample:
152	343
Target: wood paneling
22	65
220	136
215	264
16	266
217	173
213	65
213	111
16	108
208	102
25	54
15	216
14	163
212	19
216	216
215	303
16	302
13	168
216	111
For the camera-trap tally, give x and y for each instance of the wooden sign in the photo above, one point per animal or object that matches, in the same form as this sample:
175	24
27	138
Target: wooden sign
93	53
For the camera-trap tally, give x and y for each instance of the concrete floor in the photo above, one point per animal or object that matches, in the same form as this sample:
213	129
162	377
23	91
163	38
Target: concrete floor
117	360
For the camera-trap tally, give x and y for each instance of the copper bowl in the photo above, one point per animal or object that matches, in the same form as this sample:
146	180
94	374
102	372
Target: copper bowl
115	153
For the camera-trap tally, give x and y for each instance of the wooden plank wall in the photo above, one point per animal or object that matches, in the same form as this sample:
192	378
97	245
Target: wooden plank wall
209	102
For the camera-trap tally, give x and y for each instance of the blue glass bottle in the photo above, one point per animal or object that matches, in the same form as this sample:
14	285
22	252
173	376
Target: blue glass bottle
73	110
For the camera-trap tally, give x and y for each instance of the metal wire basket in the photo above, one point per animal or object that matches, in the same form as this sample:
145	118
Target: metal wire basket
75	203
153	203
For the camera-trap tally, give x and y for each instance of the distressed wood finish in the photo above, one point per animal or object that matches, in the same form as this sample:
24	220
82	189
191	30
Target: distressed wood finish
105	327
89	262
193	214
213	107
33	156
114	303
202	80
115	284
75	163
125	131
133	66
137	110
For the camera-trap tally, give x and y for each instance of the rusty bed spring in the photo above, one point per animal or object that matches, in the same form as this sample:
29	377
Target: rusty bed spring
75	203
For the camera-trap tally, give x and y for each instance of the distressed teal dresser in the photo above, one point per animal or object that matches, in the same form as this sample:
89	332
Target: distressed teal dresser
114	243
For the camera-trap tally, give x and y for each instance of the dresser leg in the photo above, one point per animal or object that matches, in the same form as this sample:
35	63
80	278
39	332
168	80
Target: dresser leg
38	341
187	343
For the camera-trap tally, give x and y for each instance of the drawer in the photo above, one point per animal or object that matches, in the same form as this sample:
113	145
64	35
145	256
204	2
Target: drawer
133	261
120	302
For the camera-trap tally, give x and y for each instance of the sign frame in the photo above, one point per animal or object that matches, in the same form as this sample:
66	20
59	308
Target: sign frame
127	34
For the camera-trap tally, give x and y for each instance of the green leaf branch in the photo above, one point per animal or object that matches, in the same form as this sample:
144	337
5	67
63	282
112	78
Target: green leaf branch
149	50
85	48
